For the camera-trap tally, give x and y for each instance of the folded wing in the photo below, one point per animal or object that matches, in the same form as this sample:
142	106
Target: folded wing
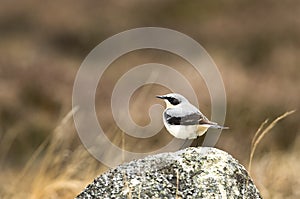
182	117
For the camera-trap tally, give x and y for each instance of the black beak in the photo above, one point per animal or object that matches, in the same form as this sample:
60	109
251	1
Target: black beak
160	96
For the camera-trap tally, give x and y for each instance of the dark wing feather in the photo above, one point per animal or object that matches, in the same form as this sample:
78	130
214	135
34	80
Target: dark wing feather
187	119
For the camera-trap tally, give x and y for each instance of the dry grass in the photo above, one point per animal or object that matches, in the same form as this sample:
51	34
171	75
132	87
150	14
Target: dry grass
55	170
275	173
260	133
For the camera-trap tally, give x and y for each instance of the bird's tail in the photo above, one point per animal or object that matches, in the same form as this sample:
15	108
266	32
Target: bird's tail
216	126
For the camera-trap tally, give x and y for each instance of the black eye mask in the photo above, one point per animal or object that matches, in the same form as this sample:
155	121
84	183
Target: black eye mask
173	100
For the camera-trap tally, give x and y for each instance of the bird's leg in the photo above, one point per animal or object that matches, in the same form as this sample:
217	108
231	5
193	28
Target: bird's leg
184	144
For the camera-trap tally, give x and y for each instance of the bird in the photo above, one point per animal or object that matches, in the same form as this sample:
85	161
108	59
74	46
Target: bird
183	120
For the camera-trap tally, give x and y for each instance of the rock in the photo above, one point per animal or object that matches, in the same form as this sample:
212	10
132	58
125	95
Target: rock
190	173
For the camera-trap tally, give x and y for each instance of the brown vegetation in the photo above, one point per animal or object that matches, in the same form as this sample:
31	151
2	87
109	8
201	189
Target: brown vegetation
255	45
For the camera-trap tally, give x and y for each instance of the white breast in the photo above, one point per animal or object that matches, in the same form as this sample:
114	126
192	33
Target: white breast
182	132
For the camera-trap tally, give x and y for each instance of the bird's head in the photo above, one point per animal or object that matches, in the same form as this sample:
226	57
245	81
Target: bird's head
172	99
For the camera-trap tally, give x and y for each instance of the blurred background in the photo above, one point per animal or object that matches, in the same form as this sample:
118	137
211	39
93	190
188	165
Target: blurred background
255	44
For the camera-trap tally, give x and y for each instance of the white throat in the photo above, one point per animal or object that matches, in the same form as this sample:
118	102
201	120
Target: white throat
168	104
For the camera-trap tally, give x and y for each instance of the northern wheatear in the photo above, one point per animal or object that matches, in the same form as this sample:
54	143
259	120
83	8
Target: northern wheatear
183	120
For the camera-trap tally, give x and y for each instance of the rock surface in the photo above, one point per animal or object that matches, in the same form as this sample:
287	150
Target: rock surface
190	173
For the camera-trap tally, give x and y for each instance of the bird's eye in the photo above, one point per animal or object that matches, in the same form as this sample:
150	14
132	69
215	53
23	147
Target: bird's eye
173	101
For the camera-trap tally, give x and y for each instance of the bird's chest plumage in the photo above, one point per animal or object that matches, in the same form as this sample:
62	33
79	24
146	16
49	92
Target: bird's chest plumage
183	132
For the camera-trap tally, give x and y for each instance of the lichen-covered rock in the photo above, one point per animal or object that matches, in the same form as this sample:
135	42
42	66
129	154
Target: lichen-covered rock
190	173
